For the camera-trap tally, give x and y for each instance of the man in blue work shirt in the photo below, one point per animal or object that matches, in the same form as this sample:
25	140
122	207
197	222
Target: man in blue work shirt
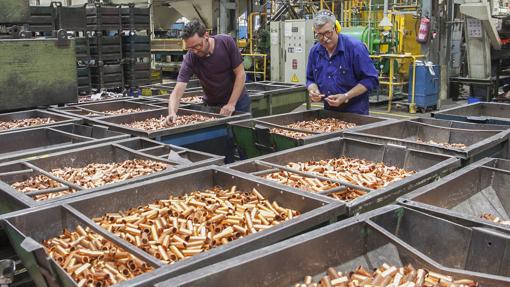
339	70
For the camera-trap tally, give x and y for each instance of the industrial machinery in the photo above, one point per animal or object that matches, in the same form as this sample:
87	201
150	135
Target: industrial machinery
35	72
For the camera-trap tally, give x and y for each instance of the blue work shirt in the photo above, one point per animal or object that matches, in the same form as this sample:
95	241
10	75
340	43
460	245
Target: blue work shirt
349	65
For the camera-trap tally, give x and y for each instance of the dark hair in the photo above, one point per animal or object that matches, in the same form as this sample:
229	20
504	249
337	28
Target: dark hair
192	28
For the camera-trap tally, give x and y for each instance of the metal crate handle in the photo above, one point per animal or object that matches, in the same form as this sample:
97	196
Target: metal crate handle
42	260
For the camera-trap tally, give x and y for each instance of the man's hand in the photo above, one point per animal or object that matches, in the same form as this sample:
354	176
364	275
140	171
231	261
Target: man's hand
227	110
314	93
170	119
336	100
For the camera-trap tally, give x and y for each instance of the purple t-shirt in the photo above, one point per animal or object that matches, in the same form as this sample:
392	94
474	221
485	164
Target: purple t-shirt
216	72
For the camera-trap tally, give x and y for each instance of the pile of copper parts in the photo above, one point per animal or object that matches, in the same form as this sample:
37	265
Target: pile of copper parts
386	275
183	226
154	124
16	124
446	145
495	219
192	100
123	111
91	176
359	172
311	184
92	260
97	174
326	125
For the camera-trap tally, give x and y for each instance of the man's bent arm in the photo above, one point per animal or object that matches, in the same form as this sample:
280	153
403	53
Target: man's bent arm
175	97
240	80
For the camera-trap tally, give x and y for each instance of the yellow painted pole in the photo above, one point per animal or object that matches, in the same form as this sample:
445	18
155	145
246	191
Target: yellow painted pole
412	107
390	84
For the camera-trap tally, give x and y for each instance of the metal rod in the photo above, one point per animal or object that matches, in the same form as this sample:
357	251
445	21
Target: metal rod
46	191
496	169
312	175
71	135
52	176
16	172
143	154
262	172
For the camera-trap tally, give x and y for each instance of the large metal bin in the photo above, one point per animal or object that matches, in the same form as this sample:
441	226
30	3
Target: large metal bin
162	89
428	166
105	49
58	118
210	136
107	76
137	148
480	140
393	235
92	110
254	137
480	188
39	141
273	99
28	229
490	113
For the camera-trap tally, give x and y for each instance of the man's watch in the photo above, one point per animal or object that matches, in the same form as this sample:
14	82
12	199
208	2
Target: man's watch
346	95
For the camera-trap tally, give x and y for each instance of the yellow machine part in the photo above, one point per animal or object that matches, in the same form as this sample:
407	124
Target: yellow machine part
242	43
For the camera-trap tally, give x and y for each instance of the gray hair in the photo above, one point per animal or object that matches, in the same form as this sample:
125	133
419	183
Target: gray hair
323	17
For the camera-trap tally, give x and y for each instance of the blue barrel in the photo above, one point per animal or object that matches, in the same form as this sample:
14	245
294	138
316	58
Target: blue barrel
426	91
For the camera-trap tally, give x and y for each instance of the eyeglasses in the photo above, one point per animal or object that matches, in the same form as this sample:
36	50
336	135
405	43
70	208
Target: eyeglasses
197	47
327	34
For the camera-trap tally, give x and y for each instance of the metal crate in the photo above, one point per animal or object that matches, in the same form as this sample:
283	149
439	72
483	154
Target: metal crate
254	137
490	113
135	18
71	18
480	140
59	119
164	89
25	227
387	235
107	76
84	80
273	98
42	18
105	49
482	187
137	73
180	159
82	50
94	110
39	141
428	166
210	136
101	18
134	46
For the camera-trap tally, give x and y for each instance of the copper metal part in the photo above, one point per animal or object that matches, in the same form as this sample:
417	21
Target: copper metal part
15	124
326	125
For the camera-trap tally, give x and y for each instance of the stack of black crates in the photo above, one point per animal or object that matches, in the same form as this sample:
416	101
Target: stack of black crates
112	42
104	28
136	45
47	20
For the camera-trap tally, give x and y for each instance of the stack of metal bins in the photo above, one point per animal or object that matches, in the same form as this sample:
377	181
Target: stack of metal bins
104	30
136	45
27	230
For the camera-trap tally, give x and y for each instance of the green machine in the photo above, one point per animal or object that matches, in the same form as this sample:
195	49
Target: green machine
35	71
373	39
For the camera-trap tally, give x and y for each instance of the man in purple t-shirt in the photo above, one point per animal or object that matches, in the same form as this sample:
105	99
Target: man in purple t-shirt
217	63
